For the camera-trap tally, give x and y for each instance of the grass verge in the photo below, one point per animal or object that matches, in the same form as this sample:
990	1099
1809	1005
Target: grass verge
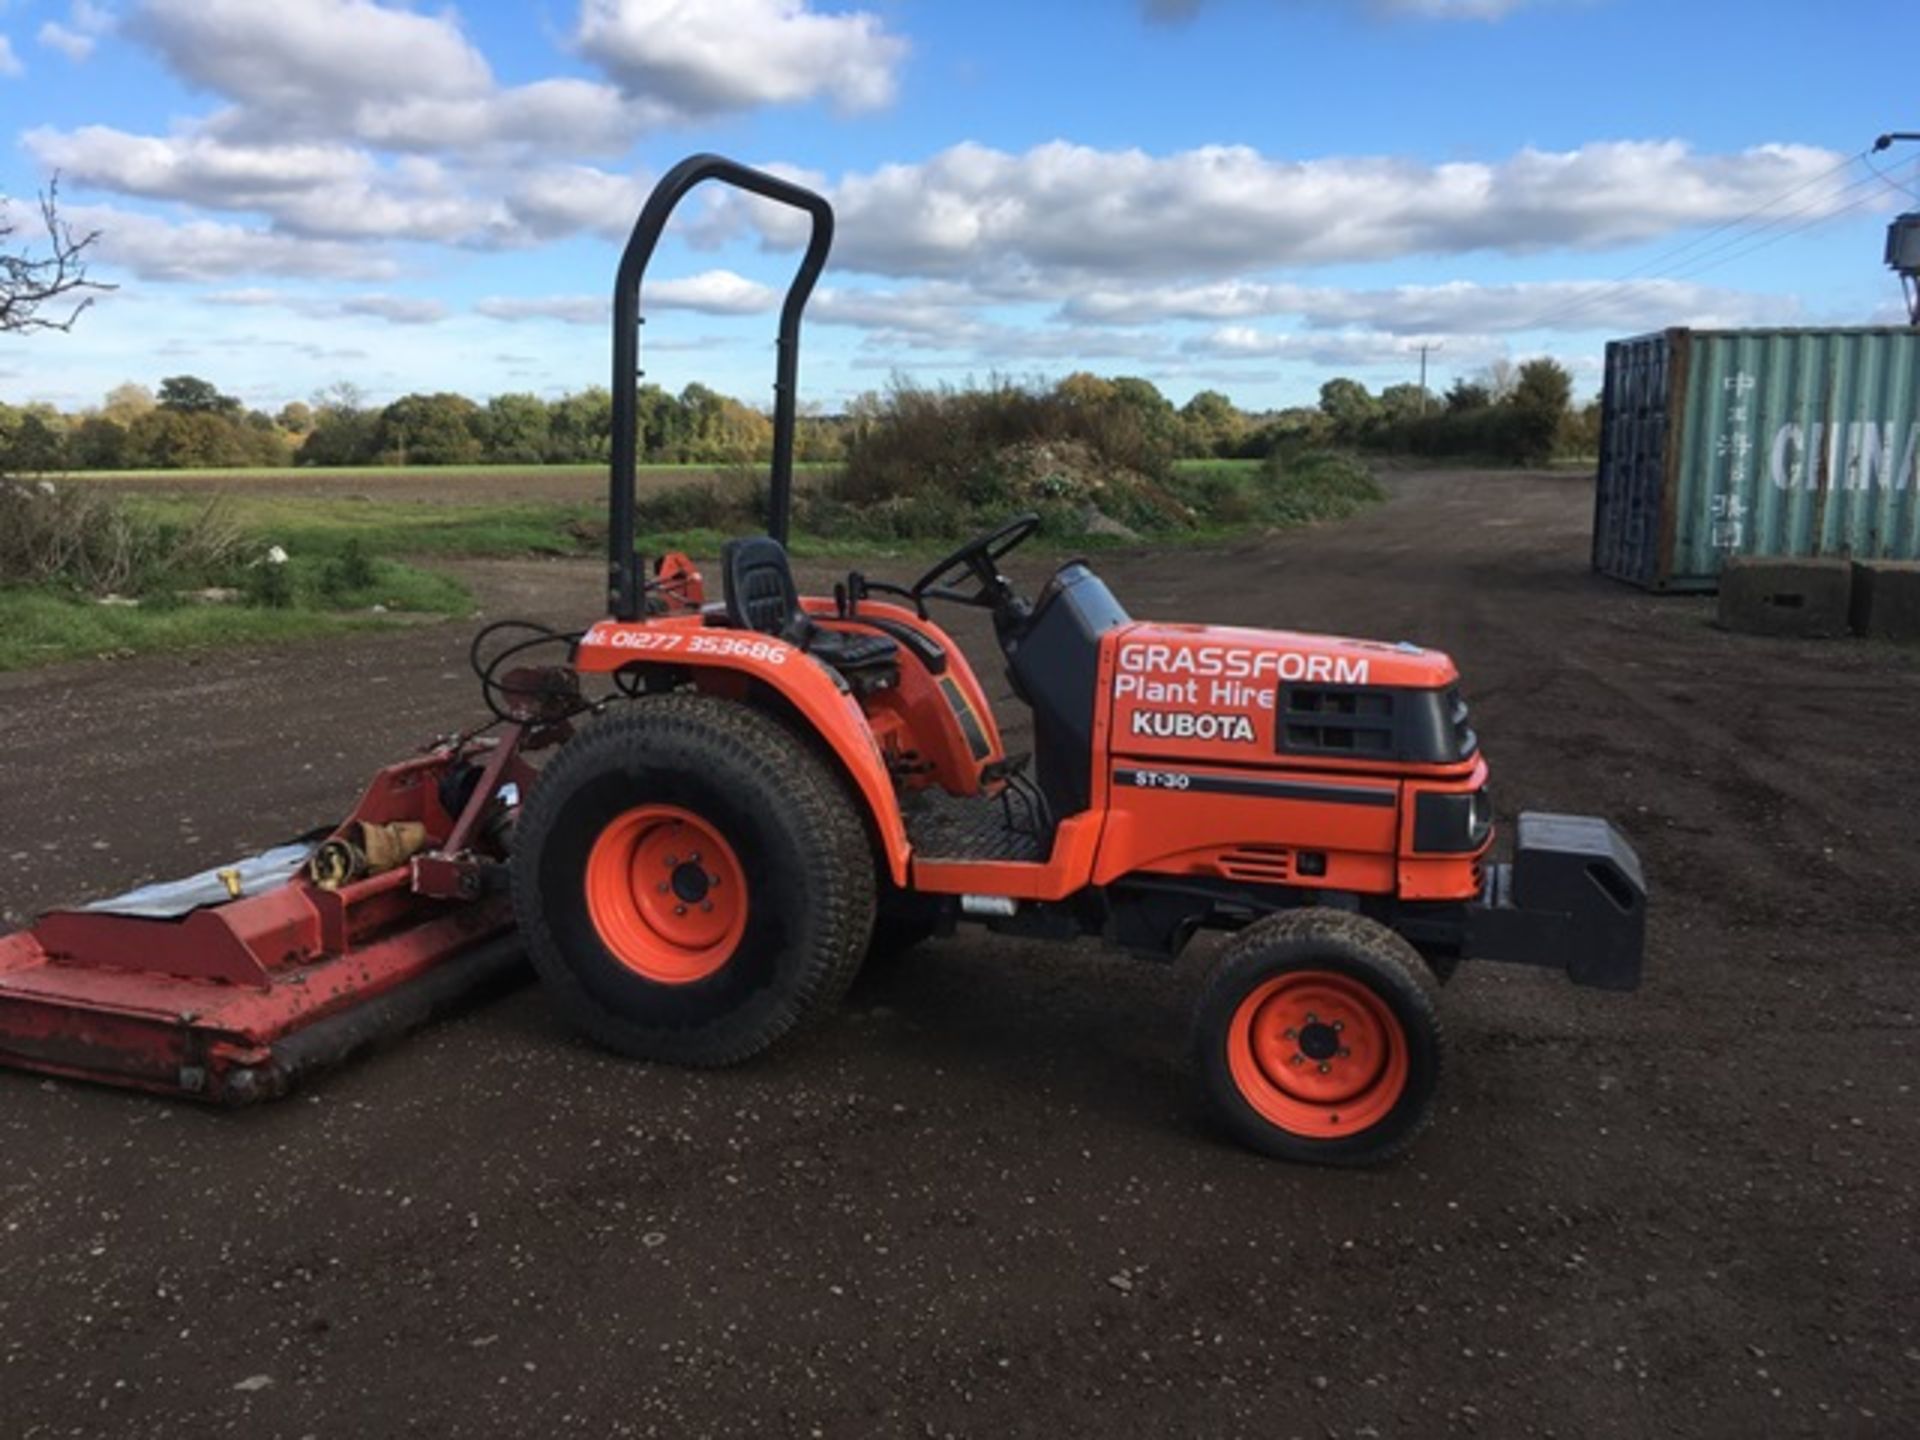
38	627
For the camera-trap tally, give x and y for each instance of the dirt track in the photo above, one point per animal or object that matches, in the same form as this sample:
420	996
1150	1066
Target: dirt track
987	1201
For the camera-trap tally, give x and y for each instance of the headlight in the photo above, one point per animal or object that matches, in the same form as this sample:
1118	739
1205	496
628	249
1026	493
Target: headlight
1452	824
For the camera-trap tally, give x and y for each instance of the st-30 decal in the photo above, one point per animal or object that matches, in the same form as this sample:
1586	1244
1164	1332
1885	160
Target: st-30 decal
1159	779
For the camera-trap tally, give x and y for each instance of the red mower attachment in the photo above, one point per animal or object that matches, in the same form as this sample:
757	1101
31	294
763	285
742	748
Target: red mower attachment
230	985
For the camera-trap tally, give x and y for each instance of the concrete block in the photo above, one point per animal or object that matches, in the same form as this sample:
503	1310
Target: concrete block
1886	599
1765	596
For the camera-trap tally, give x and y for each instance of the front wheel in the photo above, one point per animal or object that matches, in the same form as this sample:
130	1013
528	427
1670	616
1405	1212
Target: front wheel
691	881
1318	1038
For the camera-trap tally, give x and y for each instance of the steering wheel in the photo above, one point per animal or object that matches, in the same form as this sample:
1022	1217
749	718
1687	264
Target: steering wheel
980	558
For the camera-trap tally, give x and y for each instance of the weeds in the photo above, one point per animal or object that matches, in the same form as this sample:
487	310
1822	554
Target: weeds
93	543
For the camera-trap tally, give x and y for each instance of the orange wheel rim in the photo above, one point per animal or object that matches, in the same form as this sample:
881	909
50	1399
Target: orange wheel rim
666	894
1318	1054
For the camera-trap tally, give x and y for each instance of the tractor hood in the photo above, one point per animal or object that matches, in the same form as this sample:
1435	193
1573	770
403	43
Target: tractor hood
1274	696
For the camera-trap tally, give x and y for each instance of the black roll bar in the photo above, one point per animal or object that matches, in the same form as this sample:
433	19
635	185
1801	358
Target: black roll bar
624	587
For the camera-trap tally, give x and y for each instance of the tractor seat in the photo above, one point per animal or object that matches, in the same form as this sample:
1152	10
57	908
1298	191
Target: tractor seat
761	595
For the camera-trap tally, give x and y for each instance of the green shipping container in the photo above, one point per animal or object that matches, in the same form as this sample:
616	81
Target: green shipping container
1756	442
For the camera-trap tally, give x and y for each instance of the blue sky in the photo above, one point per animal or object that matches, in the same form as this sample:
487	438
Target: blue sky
1248	195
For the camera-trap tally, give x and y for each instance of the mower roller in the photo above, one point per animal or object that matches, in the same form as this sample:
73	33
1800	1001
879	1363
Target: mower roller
746	799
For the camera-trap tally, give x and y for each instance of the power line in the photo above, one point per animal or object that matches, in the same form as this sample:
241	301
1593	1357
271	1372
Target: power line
1801	228
1865	182
1706	235
1907	189
1693	266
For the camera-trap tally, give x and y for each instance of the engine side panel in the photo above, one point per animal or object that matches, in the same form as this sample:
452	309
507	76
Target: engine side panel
1278	759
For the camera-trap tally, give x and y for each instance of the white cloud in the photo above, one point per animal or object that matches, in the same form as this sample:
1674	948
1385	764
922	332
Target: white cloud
561	114
317	189
9	62
195	168
1459	306
568	309
1074	213
70	43
86	23
395	309
400	79
703	57
571	198
388	77
1342	348
248	297
155	249
311	54
712	292
932	309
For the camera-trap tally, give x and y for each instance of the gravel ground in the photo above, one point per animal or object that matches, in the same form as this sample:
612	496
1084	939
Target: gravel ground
988	1200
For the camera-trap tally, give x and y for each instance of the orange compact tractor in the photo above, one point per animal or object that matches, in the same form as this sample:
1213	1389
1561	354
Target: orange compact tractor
763	789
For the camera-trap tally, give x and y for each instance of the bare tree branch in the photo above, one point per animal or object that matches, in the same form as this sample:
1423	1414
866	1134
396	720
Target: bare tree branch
29	281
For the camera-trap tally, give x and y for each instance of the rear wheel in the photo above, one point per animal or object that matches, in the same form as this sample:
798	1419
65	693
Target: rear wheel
691	881
1319	1038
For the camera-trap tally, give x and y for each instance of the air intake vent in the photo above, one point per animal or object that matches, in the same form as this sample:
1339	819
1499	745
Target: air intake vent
1338	722
1262	864
1375	722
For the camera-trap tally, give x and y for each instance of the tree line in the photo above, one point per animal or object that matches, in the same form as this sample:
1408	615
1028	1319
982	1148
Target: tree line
189	423
1522	414
1519	413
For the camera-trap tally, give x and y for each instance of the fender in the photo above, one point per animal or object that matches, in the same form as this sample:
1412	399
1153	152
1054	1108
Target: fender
724	660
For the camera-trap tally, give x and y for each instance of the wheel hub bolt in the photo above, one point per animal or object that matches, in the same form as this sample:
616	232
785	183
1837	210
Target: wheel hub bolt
1292	1034
1344	1052
681	910
694	858
1325	1067
664	887
707	905
1339	1025
671	861
1298	1059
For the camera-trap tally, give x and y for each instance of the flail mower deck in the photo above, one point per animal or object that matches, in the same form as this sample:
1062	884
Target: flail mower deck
775	787
231	985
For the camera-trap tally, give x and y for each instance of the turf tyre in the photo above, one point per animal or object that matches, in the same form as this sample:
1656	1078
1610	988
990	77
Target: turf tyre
800	846
1320	960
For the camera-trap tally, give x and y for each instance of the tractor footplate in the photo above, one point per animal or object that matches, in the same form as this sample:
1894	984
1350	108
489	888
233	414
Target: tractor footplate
974	827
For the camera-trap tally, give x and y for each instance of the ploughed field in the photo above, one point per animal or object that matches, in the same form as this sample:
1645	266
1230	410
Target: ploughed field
987	1199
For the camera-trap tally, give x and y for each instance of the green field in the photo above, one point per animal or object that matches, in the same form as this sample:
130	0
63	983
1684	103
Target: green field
401	545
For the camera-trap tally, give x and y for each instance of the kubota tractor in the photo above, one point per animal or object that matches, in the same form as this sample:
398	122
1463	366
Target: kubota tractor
777	785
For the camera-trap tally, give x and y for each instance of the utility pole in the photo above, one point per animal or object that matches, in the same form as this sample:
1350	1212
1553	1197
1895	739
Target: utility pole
1423	374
